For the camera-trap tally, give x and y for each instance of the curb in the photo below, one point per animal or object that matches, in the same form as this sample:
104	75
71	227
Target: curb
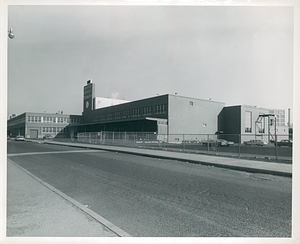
113	228
233	167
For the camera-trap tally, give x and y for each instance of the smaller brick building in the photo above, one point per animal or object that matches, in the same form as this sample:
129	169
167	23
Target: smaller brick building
38	125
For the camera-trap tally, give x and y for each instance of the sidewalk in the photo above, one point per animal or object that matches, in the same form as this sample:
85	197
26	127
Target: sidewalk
252	166
35	209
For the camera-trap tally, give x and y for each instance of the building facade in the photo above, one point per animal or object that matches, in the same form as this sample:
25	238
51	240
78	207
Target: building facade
171	118
241	123
38	125
170	115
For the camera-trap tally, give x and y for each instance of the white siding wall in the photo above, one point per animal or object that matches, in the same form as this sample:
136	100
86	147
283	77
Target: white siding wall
193	116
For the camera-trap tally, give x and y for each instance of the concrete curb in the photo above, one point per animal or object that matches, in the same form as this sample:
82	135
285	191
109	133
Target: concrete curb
227	166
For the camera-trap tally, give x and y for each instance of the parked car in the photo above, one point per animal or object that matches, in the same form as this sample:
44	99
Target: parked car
19	138
217	142
255	143
287	143
209	142
222	142
190	141
48	137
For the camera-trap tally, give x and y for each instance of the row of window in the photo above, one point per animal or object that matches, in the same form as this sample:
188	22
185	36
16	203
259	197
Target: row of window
44	119
54	129
136	112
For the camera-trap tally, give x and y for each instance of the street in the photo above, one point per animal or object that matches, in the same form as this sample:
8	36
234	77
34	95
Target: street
150	197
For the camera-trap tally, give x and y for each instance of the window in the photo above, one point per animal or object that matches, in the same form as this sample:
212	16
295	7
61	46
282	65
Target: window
136	112
125	114
248	122
160	109
101	117
117	115
191	103
262	125
109	116
147	110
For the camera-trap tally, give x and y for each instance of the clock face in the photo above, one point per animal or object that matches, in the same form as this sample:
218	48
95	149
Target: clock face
87	104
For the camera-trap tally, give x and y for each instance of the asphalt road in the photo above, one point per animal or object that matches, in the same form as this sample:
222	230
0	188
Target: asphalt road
152	197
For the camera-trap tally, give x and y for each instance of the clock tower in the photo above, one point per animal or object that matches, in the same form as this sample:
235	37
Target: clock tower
88	96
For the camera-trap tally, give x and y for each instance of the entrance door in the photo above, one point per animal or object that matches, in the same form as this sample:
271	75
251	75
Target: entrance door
33	133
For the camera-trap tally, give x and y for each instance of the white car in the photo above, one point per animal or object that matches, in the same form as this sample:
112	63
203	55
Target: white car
20	138
222	142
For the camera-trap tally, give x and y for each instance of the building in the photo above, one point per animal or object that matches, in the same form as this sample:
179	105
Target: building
38	125
171	118
241	123
170	115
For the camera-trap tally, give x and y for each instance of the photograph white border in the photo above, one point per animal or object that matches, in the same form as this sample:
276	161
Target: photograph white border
296	122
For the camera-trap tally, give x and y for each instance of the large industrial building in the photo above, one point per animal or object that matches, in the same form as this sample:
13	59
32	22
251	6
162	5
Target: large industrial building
170	115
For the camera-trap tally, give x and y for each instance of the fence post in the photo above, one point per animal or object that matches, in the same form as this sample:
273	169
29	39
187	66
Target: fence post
239	145
207	143
276	147
148	138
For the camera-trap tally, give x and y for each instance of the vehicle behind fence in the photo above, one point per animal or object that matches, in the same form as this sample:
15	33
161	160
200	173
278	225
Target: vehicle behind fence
221	144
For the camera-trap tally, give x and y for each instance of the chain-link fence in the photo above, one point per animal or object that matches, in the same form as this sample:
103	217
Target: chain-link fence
243	145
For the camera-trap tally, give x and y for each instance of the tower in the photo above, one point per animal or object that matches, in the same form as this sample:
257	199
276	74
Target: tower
88	96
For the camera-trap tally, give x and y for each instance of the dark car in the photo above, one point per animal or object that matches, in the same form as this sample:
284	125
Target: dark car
255	143
48	137
286	143
210	142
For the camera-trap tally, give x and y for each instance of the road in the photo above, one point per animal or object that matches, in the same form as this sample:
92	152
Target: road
163	198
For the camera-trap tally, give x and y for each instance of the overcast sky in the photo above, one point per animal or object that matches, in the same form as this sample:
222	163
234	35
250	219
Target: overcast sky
235	55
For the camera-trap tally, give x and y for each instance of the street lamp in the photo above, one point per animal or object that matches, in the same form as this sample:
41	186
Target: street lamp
11	35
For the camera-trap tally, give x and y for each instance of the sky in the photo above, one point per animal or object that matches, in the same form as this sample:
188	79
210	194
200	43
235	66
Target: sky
235	55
